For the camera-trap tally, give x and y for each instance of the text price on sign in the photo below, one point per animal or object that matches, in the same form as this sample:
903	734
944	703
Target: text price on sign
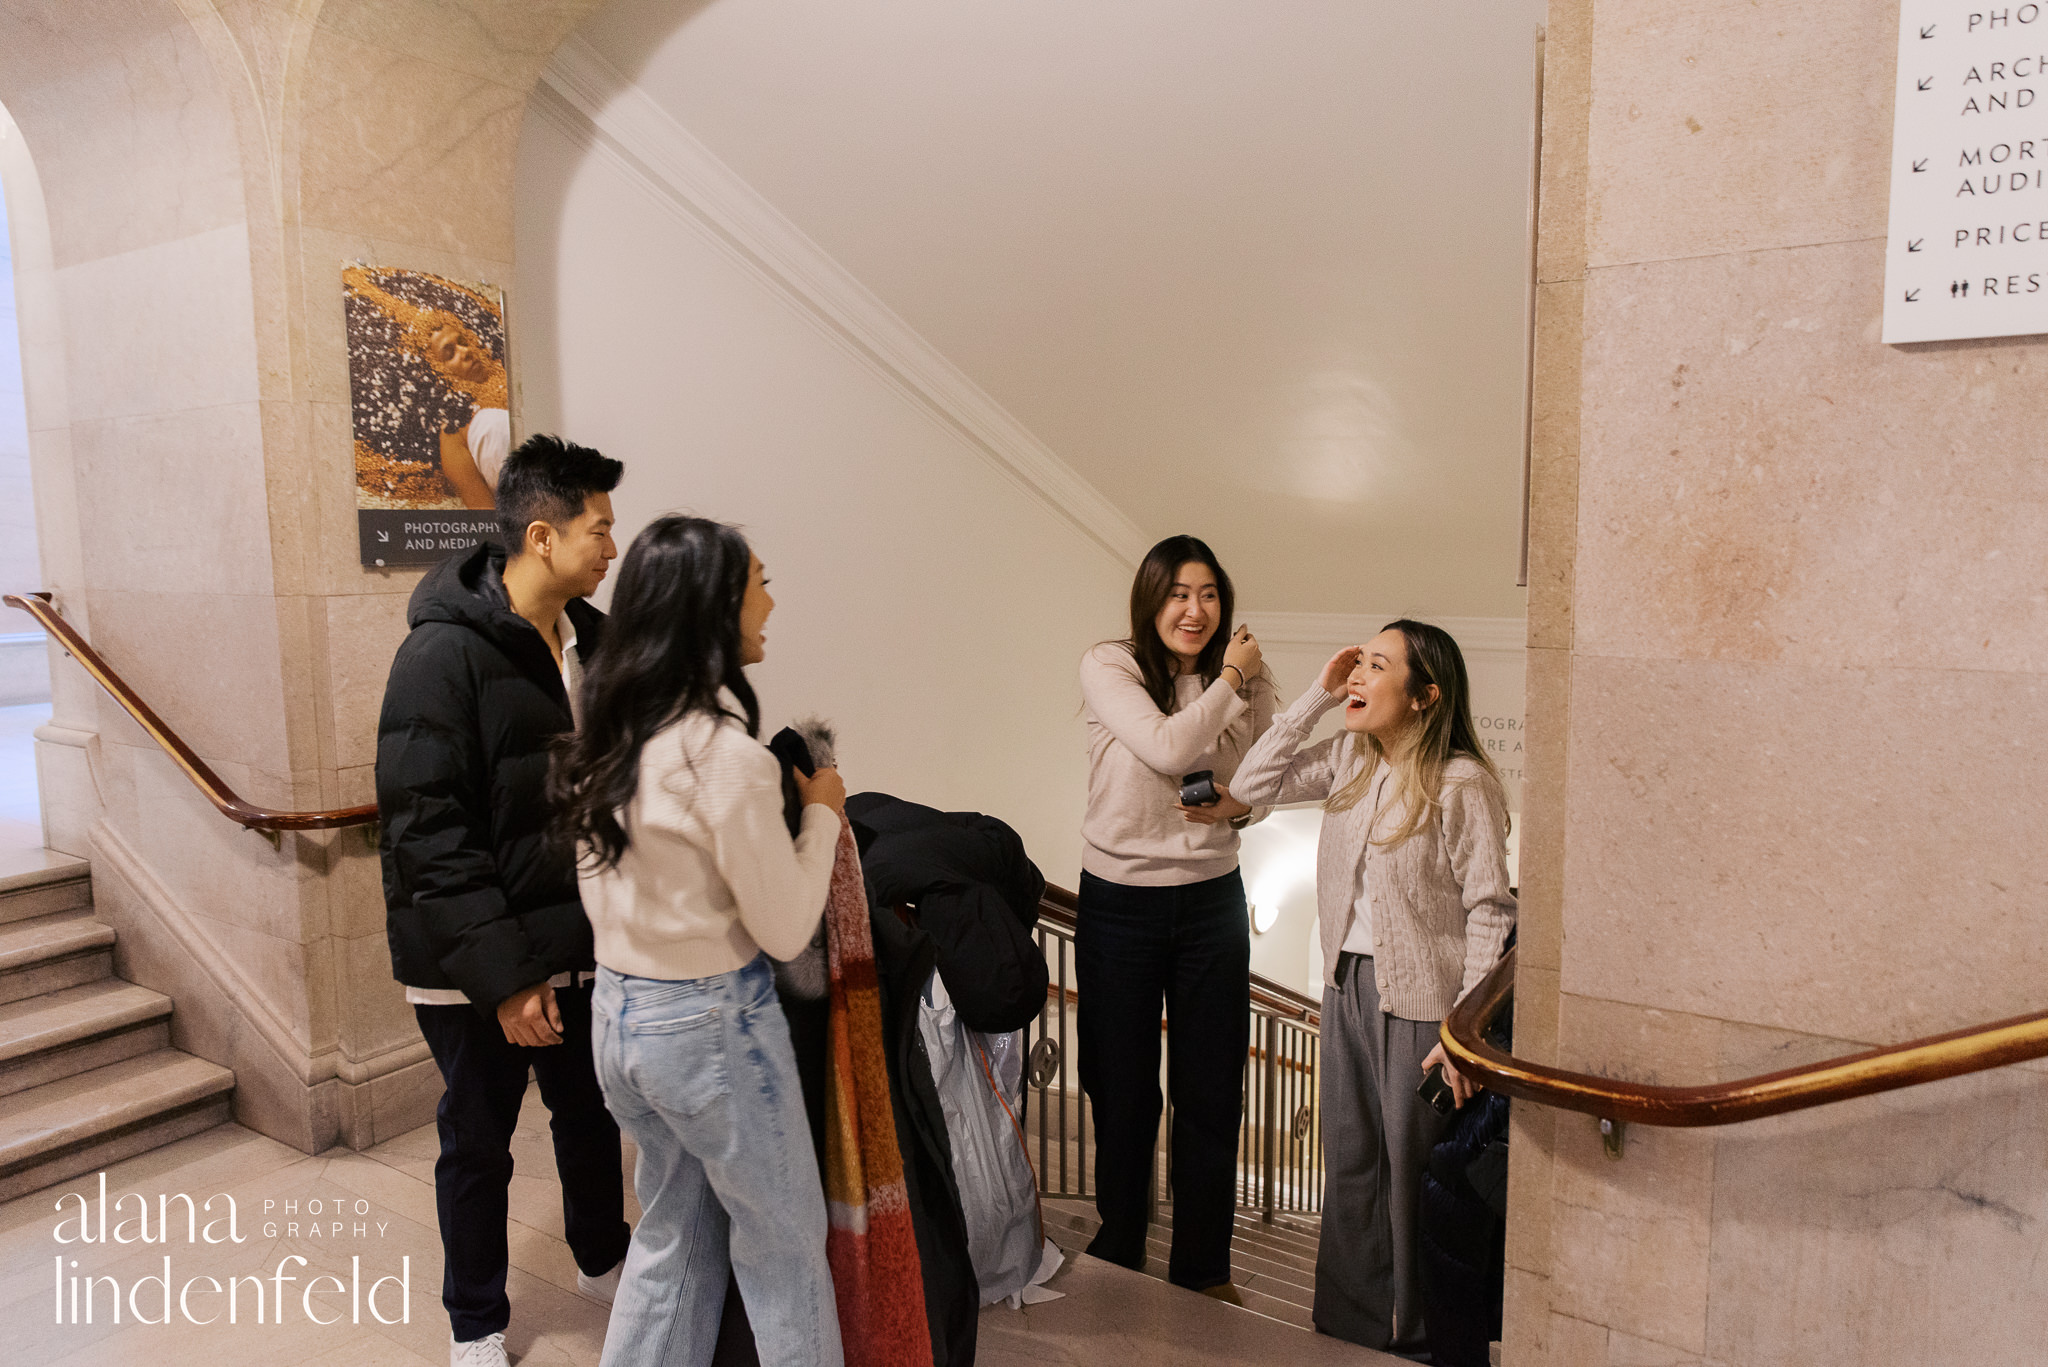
1967	248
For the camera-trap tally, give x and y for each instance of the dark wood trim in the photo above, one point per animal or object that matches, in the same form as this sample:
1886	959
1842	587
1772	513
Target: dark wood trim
1972	1050
215	789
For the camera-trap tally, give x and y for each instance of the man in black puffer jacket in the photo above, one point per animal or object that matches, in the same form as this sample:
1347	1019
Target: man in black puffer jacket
486	929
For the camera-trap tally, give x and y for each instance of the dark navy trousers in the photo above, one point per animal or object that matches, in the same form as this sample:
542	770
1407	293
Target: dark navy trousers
486	1081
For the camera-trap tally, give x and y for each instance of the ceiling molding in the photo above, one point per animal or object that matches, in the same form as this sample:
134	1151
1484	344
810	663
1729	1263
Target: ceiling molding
580	87
1329	630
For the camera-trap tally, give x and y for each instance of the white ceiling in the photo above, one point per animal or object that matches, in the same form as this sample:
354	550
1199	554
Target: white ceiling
1254	268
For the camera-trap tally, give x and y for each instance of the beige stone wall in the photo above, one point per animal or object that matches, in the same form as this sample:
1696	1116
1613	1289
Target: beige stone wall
188	180
1786	681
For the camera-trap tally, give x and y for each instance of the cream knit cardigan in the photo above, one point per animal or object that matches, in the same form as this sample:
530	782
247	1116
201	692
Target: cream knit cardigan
1441	908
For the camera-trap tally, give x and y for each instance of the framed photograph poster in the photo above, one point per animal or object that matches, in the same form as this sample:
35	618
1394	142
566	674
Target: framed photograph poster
429	402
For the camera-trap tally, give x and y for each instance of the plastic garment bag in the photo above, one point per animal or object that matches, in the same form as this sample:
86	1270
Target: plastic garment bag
979	1081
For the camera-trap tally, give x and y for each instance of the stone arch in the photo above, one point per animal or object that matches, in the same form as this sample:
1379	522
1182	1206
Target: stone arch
203	170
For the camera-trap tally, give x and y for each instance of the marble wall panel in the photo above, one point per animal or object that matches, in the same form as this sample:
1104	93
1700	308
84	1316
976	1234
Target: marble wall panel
1903	1228
1525	1318
354	885
374	1015
1632	1238
212	866
175	498
1852	853
407	149
1567	102
158	159
1722	125
404	1100
207	663
499	40
1540	920
119	310
1757	510
363	634
1554	462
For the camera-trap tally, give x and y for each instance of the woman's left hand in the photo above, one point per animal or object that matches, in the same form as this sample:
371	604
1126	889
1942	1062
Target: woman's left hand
1463	1089
1224	808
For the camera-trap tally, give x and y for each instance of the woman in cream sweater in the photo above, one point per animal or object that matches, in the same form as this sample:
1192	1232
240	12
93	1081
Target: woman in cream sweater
1162	917
1414	908
691	882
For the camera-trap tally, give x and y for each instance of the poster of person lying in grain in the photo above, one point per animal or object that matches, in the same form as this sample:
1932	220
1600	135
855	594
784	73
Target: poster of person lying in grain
430	407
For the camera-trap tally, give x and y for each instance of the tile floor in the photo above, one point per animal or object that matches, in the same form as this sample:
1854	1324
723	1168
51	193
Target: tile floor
386	1199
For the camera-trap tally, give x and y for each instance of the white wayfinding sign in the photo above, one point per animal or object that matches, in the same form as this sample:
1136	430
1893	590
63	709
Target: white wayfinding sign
1966	253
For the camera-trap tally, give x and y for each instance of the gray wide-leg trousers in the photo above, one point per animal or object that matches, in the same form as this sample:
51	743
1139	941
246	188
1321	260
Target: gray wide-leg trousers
1377	1134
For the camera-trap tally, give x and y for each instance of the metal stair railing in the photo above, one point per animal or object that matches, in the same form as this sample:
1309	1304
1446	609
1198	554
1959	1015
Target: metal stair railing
1280	1139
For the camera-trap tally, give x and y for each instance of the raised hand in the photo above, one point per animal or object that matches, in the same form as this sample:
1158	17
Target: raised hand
1338	670
1244	655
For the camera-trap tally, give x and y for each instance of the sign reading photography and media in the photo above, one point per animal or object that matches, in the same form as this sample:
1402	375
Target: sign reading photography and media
428	400
1967	252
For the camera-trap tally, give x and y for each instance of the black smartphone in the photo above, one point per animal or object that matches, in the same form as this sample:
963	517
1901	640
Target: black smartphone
1199	789
1437	1092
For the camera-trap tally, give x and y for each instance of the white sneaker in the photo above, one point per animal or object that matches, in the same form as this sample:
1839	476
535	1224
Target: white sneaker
603	1288
488	1351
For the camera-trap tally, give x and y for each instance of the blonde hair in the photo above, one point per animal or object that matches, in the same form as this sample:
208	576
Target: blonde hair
1442	732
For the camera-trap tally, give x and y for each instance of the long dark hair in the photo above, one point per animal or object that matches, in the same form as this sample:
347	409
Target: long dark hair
672	643
1149	592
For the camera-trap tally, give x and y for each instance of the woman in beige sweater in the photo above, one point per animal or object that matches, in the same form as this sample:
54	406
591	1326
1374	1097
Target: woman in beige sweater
1414	908
1162	918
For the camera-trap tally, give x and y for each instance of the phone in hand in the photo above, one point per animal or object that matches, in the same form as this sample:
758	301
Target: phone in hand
1437	1092
1199	789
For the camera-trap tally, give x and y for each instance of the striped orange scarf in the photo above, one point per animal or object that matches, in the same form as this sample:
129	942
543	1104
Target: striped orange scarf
870	1244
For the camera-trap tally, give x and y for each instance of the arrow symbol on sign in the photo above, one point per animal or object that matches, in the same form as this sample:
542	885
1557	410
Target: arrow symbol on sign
1914	245
1926	83
1920	165
1927	32
1912	296
383	536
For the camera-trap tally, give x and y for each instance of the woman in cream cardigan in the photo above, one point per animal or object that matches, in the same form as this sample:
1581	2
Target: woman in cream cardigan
1413	903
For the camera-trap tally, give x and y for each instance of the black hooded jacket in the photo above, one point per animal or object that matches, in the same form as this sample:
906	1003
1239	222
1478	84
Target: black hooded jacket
976	907
476	895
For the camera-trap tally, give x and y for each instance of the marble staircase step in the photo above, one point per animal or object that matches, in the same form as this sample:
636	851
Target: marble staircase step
1273	1266
83	1122
50	953
49	884
78	1029
1248	1257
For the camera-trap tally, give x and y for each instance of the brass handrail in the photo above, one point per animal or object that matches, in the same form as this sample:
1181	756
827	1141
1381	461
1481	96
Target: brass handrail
1059	906
1971	1050
216	791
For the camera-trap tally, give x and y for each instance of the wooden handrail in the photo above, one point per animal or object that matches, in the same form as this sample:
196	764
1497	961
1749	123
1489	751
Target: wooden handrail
216	791
1059	906
1970	1050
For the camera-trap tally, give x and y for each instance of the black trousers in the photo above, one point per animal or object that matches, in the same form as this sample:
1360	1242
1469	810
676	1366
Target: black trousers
486	1080
1187	948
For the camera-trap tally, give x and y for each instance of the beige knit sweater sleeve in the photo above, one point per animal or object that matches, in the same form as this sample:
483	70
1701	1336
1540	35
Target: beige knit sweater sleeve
1475	824
1167	743
1277	770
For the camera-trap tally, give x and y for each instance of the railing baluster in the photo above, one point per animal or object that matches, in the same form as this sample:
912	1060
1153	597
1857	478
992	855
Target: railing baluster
1270	1068
1064	1187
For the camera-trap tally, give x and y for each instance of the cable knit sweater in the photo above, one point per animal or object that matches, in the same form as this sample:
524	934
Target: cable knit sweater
1441	908
711	876
1132	833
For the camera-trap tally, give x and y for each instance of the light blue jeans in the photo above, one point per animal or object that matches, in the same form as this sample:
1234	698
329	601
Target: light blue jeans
701	1074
